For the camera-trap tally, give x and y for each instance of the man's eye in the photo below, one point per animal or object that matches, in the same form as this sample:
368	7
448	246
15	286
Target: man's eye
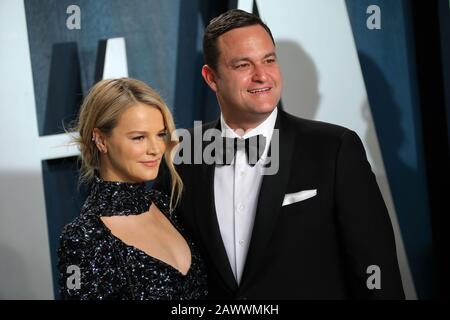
139	138
242	65
271	60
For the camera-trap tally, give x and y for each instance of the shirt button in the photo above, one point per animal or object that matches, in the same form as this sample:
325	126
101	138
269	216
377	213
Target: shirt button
241	242
241	207
242	174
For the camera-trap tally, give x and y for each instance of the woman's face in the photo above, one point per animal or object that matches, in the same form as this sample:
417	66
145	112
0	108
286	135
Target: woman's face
135	146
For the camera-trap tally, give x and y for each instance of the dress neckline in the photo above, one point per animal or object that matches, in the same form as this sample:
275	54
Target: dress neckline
114	198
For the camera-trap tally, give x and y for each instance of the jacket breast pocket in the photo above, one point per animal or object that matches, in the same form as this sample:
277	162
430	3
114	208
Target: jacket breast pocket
292	198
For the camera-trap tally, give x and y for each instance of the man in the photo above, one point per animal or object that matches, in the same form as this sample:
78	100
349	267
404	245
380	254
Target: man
316	229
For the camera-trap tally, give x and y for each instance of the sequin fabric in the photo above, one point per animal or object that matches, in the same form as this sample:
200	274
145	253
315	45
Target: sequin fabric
109	268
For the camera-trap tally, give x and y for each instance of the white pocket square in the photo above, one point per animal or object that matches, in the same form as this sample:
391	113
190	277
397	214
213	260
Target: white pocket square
291	198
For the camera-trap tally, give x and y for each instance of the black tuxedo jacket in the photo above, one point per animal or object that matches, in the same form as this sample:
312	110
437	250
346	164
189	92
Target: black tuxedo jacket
319	248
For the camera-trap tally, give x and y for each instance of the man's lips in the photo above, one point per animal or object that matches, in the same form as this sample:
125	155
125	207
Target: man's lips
259	90
150	163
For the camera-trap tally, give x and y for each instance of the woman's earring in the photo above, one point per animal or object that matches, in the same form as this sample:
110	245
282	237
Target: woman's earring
97	142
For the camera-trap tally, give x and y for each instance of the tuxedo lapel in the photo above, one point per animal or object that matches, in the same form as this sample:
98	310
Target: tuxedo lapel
208	223
270	201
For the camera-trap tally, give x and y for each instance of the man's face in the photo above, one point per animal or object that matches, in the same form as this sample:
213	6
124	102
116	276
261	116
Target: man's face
247	80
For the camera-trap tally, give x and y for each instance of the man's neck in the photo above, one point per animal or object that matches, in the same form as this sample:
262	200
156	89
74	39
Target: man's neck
246	128
239	124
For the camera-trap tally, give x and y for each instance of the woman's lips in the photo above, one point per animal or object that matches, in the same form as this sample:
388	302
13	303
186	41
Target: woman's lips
150	164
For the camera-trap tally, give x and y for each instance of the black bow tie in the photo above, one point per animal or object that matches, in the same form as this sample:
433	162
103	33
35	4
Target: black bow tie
254	148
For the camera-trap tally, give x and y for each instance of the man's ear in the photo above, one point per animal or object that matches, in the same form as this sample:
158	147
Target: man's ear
210	77
99	139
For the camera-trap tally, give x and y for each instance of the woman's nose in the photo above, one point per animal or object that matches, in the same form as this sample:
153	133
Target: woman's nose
153	146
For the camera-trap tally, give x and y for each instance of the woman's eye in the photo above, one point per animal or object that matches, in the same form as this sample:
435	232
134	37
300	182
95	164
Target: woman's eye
139	138
162	135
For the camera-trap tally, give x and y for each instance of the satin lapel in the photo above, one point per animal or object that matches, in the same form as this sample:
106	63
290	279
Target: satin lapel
209	225
270	201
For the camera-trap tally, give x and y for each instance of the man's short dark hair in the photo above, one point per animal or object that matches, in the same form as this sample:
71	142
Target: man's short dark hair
227	21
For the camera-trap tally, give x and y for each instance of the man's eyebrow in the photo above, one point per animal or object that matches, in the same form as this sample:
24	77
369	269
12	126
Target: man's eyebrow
270	54
236	60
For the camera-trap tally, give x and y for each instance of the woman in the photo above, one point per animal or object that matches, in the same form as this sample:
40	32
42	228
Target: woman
126	243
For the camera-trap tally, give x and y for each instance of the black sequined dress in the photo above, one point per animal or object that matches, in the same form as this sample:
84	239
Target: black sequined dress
111	269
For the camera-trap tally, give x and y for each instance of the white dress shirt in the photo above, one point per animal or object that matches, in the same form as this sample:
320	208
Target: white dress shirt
236	190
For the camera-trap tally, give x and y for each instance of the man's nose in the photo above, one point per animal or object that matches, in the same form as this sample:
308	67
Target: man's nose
259	73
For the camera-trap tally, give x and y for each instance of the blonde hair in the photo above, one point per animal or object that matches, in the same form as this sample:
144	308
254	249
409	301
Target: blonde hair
101	109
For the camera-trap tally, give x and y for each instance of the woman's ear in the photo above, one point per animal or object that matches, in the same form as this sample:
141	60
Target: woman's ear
99	139
210	77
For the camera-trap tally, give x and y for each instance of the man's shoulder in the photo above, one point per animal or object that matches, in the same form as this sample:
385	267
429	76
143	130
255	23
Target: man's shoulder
194	133
203	126
312	128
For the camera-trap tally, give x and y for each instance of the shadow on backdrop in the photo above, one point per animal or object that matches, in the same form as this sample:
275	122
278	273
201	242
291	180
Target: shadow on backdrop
404	181
301	95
